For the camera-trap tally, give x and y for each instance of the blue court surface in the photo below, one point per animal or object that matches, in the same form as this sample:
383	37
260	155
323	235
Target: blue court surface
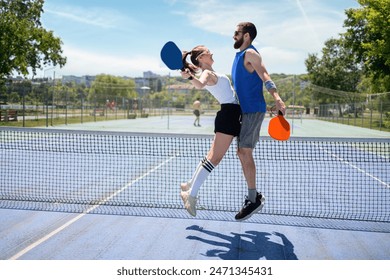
39	235
139	232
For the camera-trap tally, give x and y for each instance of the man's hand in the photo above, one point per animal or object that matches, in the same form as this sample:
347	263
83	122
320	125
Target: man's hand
280	106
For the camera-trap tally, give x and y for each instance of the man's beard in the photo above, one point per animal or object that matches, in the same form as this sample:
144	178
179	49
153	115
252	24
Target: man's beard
238	43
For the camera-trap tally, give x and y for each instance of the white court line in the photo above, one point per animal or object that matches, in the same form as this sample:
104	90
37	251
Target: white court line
355	167
75	219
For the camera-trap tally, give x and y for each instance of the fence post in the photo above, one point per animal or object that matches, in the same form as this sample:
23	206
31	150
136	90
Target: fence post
381	116
371	107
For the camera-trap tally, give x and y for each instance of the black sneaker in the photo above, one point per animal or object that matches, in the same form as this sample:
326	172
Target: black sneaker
250	208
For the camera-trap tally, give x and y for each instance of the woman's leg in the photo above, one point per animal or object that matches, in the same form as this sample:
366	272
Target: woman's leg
217	151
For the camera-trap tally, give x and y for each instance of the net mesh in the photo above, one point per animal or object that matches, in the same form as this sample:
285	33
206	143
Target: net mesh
308	177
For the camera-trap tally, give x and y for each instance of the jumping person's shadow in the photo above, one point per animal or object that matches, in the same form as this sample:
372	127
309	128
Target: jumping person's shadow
251	245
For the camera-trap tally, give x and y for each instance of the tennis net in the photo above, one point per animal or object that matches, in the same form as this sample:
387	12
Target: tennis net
307	177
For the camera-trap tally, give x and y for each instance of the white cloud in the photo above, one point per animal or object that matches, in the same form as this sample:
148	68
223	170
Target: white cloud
222	17
83	62
294	34
296	25
287	33
278	60
93	16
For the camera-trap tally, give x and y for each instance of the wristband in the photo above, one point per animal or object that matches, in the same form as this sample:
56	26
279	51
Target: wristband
190	78
270	85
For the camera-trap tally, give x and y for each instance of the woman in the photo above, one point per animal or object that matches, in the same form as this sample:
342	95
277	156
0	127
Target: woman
227	121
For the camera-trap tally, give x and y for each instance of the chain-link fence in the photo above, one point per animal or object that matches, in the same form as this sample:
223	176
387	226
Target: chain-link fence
57	111
29	107
372	114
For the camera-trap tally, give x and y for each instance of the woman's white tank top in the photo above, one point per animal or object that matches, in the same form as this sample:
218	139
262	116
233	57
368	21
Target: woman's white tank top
223	90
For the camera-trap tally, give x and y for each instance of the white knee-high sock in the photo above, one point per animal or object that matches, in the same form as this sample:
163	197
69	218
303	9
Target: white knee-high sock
196	171
200	176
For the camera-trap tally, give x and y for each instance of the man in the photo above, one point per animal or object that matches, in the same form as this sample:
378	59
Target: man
196	107
248	75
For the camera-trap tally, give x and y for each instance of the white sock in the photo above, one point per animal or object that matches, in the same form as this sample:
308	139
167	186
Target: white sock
200	176
196	171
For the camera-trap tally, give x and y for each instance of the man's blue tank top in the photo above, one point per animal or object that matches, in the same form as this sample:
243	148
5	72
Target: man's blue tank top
248	86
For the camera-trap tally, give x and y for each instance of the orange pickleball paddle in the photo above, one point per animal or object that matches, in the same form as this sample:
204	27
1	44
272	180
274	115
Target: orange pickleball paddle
279	128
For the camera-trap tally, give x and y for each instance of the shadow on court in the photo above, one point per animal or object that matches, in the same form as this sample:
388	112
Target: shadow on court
251	245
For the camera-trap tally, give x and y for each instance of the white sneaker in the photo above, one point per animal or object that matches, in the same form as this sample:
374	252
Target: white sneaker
189	202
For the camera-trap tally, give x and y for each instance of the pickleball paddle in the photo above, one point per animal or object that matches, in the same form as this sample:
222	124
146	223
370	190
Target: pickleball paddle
279	128
171	55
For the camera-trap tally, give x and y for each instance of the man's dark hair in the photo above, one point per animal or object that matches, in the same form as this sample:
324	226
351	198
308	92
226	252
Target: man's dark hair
248	27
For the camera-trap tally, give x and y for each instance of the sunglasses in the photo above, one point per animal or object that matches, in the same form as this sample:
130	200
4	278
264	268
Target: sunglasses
202	53
238	32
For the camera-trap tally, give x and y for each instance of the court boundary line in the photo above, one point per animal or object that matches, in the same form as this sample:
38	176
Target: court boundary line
354	166
87	211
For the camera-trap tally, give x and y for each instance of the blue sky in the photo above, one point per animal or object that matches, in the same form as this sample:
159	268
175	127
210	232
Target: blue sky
124	38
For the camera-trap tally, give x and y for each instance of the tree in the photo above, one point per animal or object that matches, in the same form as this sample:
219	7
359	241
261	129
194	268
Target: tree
24	43
368	35
337	70
107	87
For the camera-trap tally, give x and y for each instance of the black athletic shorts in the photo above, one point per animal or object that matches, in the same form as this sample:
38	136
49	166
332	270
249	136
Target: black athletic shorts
197	112
228	119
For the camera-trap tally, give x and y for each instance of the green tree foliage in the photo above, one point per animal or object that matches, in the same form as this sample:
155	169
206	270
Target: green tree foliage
24	43
368	35
336	69
69	93
292	88
108	87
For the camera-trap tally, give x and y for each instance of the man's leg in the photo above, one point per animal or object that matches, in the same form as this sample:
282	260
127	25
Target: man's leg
248	139
248	166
